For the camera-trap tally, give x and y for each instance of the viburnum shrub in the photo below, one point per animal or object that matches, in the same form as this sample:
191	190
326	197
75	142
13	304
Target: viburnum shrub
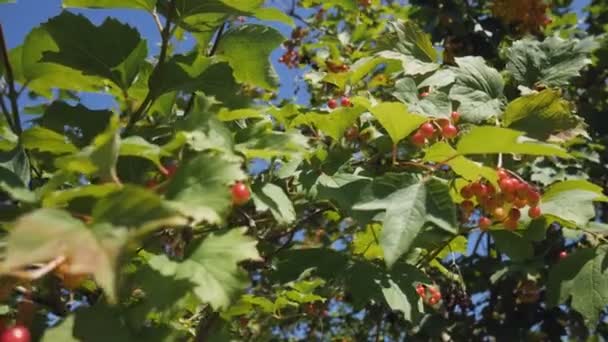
305	170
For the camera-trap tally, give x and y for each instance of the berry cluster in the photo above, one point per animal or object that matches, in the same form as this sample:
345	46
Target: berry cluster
429	294
344	101
336	67
524	15
436	129
503	206
291	57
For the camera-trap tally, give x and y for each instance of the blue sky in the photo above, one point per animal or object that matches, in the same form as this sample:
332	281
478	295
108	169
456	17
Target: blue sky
19	18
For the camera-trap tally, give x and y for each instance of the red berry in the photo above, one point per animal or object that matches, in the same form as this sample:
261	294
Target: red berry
418	139
467	206
17	333
436	295
522	189
502	174
534	212
449	131
433	300
507	184
169	170
466	192
427	129
424	94
514	214
563	254
345	101
520	202
455	116
484	223
533	197
151	183
510	224
480	190
420	290
240	193
332	103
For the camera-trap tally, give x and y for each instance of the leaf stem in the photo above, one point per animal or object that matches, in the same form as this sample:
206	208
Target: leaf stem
12	92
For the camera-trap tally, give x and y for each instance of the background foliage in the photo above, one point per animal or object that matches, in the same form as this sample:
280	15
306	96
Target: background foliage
378	204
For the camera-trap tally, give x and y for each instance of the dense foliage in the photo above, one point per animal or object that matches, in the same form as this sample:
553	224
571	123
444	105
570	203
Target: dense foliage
438	174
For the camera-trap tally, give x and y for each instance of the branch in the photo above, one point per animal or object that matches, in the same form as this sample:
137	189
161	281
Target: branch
12	93
166	37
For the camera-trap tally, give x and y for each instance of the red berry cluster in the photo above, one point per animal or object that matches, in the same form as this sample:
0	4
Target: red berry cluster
501	206
344	101
430	294
435	130
291	57
17	333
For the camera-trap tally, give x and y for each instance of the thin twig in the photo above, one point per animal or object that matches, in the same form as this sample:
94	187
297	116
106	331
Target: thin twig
477	242
159	26
12	92
211	52
6	113
39	272
166	37
216	42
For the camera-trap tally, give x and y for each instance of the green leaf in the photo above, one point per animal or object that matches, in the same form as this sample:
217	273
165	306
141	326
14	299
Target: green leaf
61	198
396	119
212	266
505	140
94	50
273	14
273	198
572	201
135	146
254	67
61	332
203	131
407	210
79	123
540	115
98	158
414	48
333	124
181	72
42	77
323	262
478	89
200	188
45	140
269	143
442	152
136	207
17	162
583	277
366	242
512	244
147	5
14	187
46	234
552	62
436	105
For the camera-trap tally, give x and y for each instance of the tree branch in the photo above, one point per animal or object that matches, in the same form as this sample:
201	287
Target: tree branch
12	92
